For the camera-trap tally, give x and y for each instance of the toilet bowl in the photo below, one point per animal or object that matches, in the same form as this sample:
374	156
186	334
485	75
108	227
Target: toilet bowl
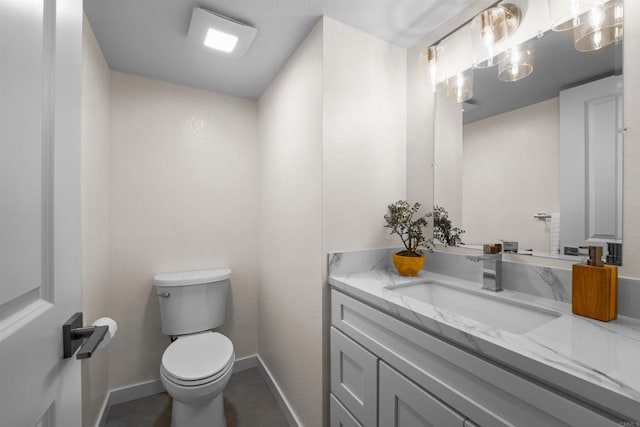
195	370
198	363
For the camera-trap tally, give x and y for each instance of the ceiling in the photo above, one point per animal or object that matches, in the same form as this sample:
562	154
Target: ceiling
149	37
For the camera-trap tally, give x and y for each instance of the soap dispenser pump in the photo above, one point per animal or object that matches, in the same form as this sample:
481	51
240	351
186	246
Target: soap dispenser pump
595	288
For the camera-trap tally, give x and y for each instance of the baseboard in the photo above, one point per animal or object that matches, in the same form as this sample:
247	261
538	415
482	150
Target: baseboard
104	413
136	391
149	388
125	394
291	417
245	363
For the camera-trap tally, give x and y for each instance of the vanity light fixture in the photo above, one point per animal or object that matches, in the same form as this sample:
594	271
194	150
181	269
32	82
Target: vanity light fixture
516	63
567	14
224	35
429	65
460	86
595	23
600	27
491	27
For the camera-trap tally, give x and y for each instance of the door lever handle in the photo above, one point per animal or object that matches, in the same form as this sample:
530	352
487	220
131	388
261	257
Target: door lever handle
87	338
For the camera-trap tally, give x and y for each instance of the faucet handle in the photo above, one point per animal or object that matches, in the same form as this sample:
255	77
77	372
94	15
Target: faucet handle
485	257
492	248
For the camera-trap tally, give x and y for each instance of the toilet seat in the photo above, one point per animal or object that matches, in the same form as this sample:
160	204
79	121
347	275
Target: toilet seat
197	359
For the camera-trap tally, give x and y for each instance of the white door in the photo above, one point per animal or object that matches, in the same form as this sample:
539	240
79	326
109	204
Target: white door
40	253
591	163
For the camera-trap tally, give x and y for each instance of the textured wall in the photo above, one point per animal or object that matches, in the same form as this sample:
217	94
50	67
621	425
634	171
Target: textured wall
96	290
364	137
183	196
631	180
333	135
511	171
448	155
290	291
363	145
420	134
421	108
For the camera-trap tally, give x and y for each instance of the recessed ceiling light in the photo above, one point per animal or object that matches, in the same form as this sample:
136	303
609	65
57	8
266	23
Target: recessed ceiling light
219	40
227	36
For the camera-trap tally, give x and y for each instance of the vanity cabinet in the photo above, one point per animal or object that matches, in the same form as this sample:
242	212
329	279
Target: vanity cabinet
404	404
386	372
376	394
354	377
340	417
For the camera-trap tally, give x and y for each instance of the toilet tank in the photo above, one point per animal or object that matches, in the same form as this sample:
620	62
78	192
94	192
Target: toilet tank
192	301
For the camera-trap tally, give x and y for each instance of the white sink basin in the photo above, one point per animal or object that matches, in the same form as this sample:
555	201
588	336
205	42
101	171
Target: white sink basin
506	315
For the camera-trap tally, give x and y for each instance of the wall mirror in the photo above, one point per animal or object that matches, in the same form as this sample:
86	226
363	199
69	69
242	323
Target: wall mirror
530	151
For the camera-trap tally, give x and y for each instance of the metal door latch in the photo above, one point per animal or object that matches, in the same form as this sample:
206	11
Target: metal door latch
87	338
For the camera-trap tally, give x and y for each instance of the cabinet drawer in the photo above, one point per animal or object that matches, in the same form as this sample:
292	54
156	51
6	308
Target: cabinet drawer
483	391
340	417
354	378
404	404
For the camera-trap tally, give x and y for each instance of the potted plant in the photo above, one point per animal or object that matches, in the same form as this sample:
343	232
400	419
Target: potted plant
400	220
443	231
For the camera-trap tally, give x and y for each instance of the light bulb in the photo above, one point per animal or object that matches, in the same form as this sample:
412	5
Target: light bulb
600	26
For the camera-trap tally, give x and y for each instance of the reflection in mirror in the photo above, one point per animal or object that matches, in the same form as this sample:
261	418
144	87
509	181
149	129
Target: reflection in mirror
537	161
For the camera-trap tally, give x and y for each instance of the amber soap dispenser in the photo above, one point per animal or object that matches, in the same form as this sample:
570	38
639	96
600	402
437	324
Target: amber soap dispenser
595	288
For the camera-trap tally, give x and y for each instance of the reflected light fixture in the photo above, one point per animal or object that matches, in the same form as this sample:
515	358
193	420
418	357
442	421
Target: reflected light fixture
600	27
516	63
460	86
595	23
489	62
222	34
567	14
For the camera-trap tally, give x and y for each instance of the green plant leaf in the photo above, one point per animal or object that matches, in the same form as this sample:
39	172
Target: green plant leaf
411	231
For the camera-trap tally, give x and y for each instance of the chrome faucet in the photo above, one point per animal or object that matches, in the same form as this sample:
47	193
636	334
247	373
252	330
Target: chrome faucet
491	270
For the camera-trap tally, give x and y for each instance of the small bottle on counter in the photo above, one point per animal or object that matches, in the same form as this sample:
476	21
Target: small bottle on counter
595	288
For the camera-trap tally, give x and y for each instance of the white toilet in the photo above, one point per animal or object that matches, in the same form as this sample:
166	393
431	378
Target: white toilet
197	365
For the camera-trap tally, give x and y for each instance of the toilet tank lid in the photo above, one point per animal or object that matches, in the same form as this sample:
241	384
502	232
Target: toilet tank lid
186	278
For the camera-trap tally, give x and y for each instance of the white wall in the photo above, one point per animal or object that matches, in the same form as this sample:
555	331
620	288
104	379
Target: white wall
184	195
333	138
447	153
364	137
96	289
631	180
511	172
421	109
364	134
420	135
290	252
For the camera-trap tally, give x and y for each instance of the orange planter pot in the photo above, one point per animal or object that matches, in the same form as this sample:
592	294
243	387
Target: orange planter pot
408	265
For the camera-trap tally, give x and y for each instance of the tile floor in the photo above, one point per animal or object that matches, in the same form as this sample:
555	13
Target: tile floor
248	402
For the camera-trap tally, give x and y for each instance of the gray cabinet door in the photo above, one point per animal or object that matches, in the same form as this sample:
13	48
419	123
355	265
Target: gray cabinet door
404	404
354	378
340	417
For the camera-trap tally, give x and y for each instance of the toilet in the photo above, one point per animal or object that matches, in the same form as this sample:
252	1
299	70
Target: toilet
197	365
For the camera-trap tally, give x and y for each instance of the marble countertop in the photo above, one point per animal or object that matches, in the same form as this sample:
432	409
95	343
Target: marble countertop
599	361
